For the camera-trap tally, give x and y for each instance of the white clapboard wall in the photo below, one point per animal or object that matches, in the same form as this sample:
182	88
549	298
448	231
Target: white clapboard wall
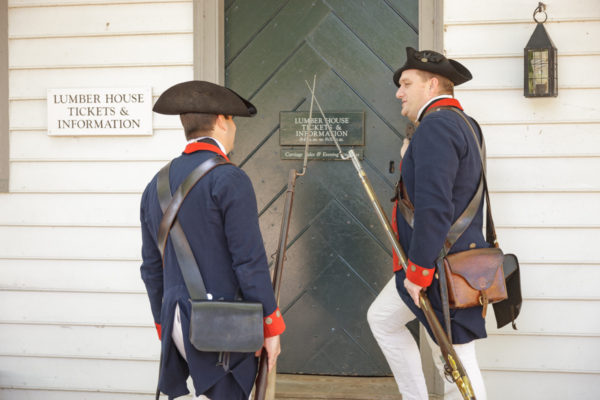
75	322
543	170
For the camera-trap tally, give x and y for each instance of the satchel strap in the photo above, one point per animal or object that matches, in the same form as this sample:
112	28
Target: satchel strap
170	205
491	237
406	208
466	218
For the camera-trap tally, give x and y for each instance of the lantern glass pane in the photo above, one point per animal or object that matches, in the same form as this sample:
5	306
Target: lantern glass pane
538	72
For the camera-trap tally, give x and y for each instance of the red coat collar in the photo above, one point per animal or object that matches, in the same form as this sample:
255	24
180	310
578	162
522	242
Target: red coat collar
445	103
197	146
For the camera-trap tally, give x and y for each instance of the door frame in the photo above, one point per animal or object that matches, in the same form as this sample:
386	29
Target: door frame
209	65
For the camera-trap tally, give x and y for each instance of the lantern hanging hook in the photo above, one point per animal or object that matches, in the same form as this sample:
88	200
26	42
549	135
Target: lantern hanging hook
540	9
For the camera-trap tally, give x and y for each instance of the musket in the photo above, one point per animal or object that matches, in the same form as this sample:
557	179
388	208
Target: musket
261	377
453	365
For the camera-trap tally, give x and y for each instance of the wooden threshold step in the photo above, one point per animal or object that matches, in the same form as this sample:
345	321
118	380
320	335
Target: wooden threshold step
318	387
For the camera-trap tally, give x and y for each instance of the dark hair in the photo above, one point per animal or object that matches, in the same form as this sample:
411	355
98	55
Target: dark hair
446	85
196	124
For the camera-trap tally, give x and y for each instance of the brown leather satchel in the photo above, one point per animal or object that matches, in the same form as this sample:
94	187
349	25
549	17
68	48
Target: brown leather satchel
475	277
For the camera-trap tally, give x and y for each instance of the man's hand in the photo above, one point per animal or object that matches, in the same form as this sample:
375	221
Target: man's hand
413	290
273	347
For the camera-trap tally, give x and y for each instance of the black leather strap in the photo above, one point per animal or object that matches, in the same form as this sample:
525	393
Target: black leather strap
466	217
170	206
491	237
444	295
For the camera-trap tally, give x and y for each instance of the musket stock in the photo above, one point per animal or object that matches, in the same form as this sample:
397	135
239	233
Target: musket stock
261	378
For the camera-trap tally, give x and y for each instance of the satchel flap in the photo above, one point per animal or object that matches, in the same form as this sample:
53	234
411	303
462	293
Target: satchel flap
226	326
478	266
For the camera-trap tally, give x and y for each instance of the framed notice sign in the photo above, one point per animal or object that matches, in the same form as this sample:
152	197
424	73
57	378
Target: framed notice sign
348	128
100	111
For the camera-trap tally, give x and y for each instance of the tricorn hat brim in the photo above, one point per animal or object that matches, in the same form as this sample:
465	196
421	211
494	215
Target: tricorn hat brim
204	98
436	63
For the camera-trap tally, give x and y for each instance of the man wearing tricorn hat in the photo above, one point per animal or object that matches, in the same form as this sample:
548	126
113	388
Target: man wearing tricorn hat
220	220
440	173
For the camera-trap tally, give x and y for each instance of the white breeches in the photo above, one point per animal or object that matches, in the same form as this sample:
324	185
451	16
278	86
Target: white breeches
177	336
387	318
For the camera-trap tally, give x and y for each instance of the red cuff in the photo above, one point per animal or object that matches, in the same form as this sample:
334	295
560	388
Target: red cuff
419	275
273	324
158	329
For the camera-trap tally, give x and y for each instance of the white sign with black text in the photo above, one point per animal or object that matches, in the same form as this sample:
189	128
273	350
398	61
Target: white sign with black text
100	111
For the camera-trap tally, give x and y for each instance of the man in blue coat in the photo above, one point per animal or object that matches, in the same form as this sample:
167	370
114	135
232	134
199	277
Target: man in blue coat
441	170
220	221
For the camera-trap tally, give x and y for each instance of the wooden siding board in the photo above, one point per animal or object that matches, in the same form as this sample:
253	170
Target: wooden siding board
573	72
110	19
52	3
511	10
270	48
79	341
571	106
379	28
359	67
544	174
78	374
569	37
84	275
542	140
33	83
562	281
79	243
29	394
98	309
102	177
70	209
517	384
102	51
162	145
554	317
532	352
551	245
546	210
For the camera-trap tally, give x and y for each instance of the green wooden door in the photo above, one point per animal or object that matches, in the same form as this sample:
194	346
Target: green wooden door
338	257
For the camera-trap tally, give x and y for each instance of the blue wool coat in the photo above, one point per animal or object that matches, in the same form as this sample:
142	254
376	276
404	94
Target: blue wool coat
220	220
441	170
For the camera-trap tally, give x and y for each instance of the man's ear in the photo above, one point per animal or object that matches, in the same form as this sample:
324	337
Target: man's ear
220	122
434	84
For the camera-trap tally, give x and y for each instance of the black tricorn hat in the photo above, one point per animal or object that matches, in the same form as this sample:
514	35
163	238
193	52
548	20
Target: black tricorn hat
432	61
204	98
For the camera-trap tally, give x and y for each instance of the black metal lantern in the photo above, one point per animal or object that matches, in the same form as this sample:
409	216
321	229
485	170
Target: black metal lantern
541	67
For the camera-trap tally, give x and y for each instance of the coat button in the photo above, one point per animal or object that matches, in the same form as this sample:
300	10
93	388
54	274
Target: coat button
425	272
278	314
413	268
472	245
268	321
